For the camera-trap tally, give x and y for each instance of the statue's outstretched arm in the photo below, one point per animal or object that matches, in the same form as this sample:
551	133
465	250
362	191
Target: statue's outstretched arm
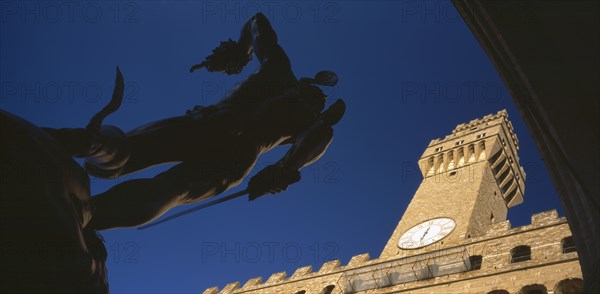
307	148
257	35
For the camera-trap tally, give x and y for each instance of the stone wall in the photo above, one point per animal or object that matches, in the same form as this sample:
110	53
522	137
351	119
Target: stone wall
547	267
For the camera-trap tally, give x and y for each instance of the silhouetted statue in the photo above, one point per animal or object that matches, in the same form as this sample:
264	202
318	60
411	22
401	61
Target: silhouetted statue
218	145
49	221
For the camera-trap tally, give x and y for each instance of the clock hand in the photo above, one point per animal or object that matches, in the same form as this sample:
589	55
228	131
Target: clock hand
426	231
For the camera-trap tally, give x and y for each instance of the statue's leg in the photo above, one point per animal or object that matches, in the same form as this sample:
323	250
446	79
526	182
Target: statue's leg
136	202
131	203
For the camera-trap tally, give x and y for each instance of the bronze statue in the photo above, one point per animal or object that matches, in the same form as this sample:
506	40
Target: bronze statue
48	217
217	145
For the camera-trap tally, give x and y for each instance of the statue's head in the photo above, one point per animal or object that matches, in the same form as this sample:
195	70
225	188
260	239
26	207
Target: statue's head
313	94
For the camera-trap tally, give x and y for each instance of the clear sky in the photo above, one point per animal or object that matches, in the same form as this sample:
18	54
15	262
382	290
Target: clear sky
408	71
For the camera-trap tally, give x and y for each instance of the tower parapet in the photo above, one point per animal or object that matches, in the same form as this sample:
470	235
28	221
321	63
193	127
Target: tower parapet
454	268
490	139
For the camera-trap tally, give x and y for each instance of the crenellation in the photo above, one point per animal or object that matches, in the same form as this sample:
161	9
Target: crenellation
486	120
252	283
330	266
497	270
545	217
473	145
301	272
229	288
276	278
357	260
213	290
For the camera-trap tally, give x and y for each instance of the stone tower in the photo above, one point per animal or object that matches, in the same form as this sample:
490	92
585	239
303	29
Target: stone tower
454	236
470	179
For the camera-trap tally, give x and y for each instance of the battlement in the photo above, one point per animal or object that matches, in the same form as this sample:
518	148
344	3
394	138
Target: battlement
479	124
301	273
538	220
490	119
490	139
361	272
360	267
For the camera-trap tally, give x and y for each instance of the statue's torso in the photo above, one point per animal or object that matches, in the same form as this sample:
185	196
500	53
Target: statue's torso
254	117
46	205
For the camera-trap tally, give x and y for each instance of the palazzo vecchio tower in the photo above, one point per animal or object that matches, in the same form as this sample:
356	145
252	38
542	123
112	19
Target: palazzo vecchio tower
454	236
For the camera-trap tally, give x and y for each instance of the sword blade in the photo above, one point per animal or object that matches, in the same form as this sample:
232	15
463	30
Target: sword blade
195	208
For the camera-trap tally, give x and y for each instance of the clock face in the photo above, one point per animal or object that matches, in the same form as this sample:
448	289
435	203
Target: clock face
426	233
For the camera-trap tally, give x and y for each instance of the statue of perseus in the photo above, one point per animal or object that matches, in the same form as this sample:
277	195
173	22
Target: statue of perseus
49	220
217	145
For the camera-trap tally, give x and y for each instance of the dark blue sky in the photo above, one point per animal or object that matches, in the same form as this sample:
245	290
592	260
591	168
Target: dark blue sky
409	72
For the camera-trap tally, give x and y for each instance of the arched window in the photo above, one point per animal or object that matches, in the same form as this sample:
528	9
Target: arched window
481	149
328	289
471	150
534	289
520	253
430	166
568	245
450	155
461	156
498	292
440	163
569	286
475	261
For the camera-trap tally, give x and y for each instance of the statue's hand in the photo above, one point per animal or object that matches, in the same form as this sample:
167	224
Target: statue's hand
230	57
203	110
272	180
